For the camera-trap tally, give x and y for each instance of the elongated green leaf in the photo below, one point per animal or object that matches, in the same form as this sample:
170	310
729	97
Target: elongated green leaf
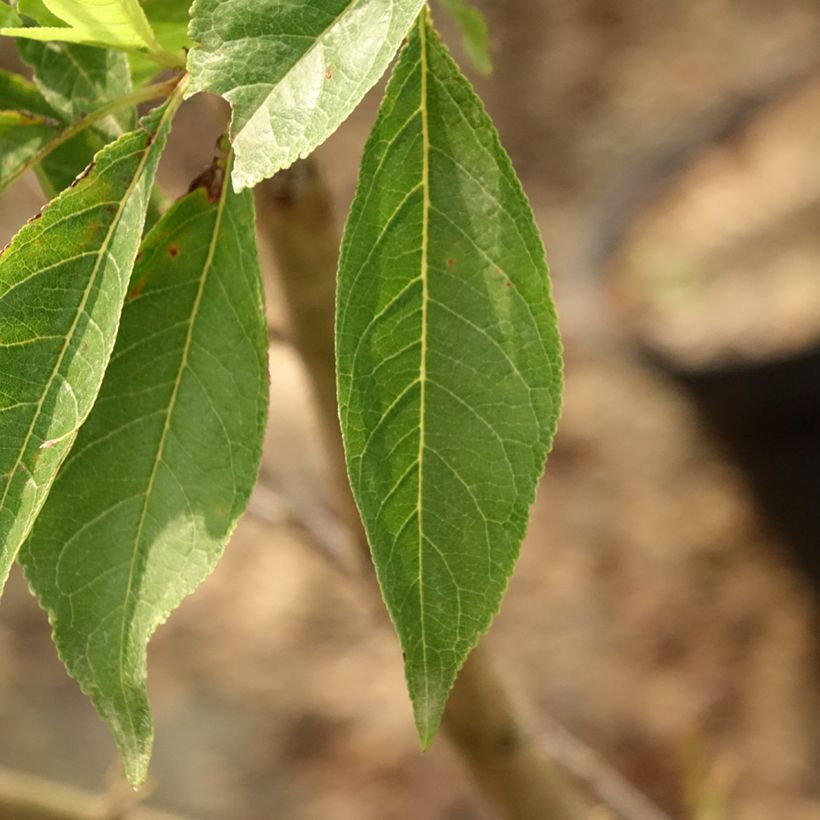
27	123
62	283
76	80
165	464
449	365
116	23
292	71
475	33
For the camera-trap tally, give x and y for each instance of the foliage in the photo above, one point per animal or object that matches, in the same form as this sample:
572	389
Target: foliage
447	364
135	381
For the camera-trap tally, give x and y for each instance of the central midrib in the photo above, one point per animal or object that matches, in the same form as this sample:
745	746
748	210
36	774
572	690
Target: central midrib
425	184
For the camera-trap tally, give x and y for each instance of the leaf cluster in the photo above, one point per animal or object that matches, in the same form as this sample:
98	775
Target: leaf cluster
133	344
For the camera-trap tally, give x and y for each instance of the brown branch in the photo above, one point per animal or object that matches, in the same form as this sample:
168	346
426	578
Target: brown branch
296	220
25	797
612	788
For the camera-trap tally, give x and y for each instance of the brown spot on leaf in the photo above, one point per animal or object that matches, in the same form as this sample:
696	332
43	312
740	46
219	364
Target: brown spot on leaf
173	250
329	73
38	119
83	174
451	263
136	290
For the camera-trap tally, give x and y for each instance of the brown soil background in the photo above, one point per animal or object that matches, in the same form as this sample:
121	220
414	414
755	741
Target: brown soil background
653	613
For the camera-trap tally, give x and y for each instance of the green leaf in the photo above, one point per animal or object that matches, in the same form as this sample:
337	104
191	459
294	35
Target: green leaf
292	71
165	464
115	23
8	17
22	135
27	124
449	365
76	80
61	167
62	283
36	10
475	34
169	19
18	94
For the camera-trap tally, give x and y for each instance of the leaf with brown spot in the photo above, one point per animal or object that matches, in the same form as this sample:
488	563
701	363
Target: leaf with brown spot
80	254
141	510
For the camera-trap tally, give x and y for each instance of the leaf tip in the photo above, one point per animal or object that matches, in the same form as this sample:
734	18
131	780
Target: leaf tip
429	698
136	768
428	712
135	749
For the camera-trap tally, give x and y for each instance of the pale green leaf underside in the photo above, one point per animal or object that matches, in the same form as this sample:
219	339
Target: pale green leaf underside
165	464
449	365
118	23
62	283
293	71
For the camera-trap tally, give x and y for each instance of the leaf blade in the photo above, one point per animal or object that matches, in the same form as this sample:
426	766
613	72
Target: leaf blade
27	123
79	251
318	61
169	20
165	464
449	371
75	80
120	24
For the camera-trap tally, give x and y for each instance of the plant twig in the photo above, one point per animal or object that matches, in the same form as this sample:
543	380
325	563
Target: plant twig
603	780
296	220
25	797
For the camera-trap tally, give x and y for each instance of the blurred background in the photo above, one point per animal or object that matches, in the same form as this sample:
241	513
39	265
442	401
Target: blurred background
665	607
